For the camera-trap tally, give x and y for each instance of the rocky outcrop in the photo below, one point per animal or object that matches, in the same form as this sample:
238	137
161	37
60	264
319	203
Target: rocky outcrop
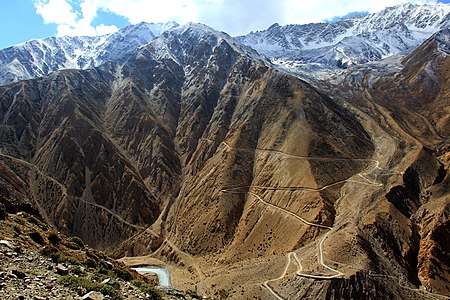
41	57
37	262
434	228
433	259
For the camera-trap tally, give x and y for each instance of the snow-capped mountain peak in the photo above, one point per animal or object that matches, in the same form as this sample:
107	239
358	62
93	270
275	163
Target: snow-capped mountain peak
193	42
353	40
42	56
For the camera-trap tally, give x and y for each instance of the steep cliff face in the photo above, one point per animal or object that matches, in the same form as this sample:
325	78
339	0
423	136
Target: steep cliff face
398	229
75	174
264	154
193	132
434	228
351	164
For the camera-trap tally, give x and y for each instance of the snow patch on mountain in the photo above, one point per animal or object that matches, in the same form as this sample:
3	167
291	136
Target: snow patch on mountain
194	42
298	48
350	41
42	56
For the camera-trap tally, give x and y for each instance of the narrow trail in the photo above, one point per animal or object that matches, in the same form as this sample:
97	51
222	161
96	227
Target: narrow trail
64	191
365	180
400	284
321	255
118	217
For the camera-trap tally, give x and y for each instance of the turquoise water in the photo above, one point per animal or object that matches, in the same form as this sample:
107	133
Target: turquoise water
162	273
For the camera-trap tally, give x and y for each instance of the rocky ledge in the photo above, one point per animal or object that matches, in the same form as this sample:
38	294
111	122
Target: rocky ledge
37	263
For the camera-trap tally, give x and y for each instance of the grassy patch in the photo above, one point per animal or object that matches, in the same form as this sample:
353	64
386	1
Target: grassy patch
123	273
77	241
147	288
59	257
74	282
37	222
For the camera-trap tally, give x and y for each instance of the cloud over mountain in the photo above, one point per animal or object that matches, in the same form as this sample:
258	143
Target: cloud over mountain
77	17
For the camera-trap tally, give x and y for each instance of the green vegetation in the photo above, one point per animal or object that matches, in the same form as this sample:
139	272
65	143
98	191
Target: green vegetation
37	222
123	272
101	274
87	268
90	263
147	288
77	270
75	282
115	272
48	251
74	243
59	257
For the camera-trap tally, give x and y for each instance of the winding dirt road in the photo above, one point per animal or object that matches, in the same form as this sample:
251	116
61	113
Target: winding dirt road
365	180
299	269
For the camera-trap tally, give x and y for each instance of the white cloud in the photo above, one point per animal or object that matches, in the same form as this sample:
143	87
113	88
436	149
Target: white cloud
103	29
56	11
81	29
233	16
318	10
153	11
72	22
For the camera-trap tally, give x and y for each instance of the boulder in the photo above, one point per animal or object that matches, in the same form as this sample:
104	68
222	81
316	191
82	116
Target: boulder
62	270
93	296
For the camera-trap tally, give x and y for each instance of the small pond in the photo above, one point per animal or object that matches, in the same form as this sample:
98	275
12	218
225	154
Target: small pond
162	273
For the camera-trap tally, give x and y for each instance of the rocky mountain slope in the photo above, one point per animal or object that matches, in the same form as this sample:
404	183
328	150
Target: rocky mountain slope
355	40
413	122
38	263
40	57
248	181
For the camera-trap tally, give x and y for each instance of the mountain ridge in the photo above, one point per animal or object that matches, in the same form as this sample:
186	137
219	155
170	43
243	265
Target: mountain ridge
40	57
354	40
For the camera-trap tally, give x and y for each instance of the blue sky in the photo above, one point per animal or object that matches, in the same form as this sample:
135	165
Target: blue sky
22	20
19	22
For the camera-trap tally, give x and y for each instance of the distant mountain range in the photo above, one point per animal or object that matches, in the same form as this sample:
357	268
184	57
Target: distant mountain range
354	40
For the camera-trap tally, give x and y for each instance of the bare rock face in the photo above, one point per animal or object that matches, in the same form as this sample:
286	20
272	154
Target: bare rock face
75	175
434	229
433	260
41	57
400	228
247	180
